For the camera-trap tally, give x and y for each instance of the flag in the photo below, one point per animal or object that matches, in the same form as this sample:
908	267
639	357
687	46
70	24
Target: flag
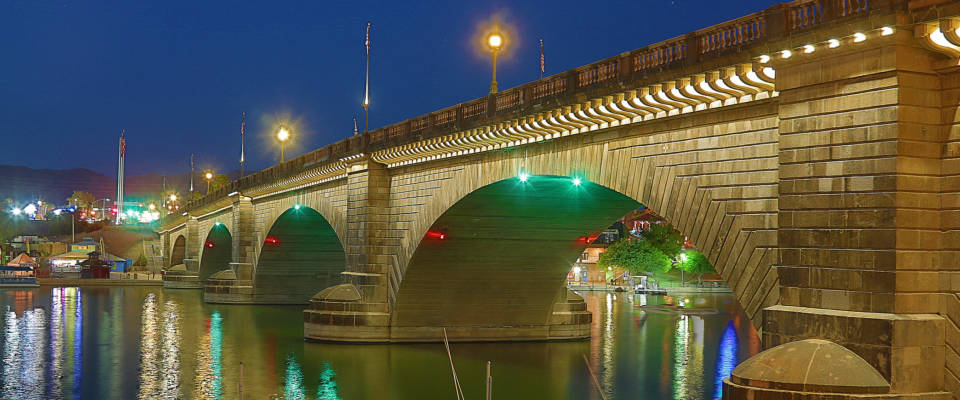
366	42
542	63
356	131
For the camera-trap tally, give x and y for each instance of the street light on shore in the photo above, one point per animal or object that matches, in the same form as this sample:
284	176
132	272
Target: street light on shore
282	135
494	41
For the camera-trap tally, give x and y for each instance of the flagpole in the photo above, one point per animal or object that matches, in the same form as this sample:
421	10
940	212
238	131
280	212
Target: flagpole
243	123
191	173
366	91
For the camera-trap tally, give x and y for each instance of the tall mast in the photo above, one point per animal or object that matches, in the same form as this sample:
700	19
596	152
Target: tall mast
120	158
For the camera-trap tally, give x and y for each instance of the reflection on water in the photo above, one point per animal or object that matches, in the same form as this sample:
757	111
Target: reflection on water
71	343
209	383
726	358
159	350
328	384
293	387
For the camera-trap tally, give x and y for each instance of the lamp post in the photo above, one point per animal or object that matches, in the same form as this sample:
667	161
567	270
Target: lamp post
282	135
209	177
494	41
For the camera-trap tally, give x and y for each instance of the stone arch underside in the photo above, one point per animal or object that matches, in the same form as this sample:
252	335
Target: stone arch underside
216	252
178	251
714	175
300	256
505	252
329	200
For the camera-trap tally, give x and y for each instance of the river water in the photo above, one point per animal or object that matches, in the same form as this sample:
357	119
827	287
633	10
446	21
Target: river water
150	343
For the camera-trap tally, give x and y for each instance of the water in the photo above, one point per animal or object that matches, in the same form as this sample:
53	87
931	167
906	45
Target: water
147	343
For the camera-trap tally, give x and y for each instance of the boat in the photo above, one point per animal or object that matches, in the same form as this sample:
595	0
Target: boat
19	272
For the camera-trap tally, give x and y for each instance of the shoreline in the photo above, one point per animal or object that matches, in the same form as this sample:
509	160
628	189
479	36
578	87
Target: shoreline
99	282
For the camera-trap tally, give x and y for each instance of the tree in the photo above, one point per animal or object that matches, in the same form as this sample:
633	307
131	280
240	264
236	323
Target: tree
219	181
666	239
81	199
637	256
696	263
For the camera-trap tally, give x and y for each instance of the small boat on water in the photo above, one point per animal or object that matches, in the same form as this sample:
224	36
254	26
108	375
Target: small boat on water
19	272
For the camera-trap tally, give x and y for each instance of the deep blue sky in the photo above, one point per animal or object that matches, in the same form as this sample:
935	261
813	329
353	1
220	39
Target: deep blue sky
177	74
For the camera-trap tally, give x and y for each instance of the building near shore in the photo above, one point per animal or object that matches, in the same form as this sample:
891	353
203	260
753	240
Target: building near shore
70	262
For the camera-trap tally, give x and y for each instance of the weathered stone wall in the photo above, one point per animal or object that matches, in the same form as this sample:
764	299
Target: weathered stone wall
949	205
859	208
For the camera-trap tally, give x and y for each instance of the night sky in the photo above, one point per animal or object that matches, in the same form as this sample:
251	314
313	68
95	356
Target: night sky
177	74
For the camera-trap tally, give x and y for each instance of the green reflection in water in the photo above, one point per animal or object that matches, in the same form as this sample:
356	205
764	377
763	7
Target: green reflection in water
328	384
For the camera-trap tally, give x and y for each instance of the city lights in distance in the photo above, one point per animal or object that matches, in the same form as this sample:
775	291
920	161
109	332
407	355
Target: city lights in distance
524	176
577	181
296	206
16	211
173	197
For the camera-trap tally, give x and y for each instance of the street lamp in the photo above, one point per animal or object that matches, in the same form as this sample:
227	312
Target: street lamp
494	41
209	177
282	135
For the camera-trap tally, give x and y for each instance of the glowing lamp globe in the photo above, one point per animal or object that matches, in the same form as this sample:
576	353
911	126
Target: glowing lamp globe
495	41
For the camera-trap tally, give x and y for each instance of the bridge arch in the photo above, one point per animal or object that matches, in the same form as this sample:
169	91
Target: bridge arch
217	251
501	253
178	251
699	175
301	254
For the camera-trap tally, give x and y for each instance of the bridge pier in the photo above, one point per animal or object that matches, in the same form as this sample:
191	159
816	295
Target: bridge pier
859	227
186	275
235	285
362	309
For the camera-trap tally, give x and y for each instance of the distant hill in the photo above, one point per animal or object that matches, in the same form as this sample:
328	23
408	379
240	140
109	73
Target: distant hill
25	184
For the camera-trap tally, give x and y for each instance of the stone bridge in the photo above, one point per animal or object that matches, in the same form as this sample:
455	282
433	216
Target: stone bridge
810	150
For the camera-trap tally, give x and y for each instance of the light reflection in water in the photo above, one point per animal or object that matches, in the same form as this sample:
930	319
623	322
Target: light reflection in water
726	358
209	383
328	384
149	367
11	355
76	297
293	381
680	357
170	372
23	366
55	388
